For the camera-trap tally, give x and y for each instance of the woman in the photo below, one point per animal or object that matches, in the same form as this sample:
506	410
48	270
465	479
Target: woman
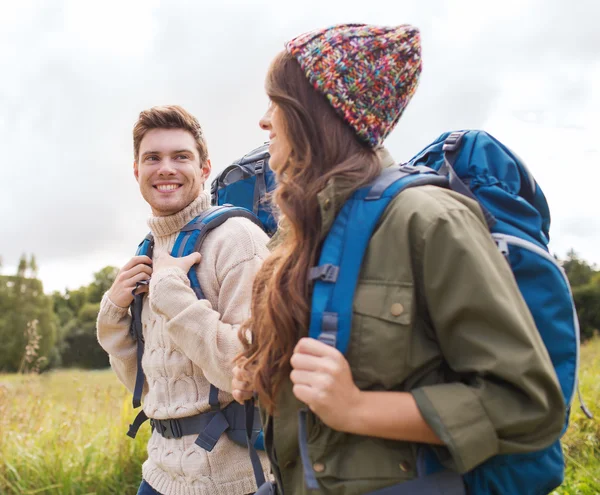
443	350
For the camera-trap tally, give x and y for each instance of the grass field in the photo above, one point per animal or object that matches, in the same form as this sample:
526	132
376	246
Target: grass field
64	433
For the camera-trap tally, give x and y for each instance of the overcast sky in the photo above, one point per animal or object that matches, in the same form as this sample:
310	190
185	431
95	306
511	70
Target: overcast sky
75	74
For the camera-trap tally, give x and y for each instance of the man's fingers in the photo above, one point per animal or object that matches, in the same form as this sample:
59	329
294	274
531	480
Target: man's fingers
240	385
241	396
141	289
242	374
192	259
140	277
136	260
141	268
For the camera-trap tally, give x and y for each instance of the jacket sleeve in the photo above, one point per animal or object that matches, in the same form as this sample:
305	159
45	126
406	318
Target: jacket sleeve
209	336
506	398
113	335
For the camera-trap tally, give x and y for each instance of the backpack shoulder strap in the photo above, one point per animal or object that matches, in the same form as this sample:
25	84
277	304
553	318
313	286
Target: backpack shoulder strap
336	276
190	239
192	236
145	248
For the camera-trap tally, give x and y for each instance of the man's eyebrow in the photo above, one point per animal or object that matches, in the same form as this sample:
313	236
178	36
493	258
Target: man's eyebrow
183	151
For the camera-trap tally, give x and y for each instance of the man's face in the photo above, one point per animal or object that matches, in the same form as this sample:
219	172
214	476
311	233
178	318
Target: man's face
169	171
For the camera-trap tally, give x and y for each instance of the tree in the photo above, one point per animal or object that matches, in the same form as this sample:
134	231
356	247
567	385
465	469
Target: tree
585	283
587	302
579	272
22	269
33	267
22	301
103	281
77	311
81	345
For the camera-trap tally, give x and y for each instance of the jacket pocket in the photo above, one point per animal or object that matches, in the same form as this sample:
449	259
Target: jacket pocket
381	334
362	464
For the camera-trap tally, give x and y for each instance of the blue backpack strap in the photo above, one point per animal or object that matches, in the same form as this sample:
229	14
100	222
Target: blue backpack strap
189	240
336	276
250	410
192	236
260	186
451	149
145	248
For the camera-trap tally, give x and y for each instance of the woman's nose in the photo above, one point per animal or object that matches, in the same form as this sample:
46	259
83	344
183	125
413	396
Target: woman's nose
265	121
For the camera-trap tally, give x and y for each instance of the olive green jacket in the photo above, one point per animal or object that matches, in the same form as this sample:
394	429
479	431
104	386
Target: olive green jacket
437	312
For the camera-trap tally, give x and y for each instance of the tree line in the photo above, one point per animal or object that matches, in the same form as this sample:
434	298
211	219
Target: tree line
40	331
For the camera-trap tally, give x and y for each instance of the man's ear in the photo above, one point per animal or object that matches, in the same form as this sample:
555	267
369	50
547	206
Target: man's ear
206	168
136	173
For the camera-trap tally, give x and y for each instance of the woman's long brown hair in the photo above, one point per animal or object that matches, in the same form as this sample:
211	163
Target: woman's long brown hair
323	147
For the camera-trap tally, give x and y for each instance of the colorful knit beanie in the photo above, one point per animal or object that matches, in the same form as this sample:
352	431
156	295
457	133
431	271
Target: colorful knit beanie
368	73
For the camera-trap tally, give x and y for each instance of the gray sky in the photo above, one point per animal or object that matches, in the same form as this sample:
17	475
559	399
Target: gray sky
75	74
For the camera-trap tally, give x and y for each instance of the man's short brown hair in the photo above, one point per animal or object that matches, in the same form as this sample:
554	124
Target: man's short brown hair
169	117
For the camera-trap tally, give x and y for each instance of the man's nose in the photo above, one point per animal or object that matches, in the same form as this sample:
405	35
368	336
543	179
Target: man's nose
167	167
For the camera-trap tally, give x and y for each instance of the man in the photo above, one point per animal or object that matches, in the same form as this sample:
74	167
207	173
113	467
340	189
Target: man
189	342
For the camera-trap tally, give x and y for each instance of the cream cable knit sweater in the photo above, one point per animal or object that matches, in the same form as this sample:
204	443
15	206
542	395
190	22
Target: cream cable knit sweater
190	343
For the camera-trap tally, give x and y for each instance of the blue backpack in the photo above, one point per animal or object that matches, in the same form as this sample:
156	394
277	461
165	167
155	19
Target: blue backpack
475	164
247	183
240	422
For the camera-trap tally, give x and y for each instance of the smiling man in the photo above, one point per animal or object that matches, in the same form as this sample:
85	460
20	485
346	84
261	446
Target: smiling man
189	343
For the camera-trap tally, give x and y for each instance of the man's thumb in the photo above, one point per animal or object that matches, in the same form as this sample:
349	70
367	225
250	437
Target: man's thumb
193	258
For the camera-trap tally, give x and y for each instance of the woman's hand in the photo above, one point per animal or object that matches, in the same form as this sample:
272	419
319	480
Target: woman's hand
240	385
323	381
165	261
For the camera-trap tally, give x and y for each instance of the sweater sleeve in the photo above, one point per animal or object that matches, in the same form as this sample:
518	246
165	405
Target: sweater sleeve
209	336
506	398
113	335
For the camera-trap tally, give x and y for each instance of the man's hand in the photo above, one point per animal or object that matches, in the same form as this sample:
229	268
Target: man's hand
137	269
165	261
240	385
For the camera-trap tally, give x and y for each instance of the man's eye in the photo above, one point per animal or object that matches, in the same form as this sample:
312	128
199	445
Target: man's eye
182	157
151	158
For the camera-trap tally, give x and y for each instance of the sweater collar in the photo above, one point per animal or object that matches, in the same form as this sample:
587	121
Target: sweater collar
165	226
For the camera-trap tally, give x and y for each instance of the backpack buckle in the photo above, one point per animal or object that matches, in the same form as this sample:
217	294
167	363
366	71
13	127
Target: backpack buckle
167	428
259	168
326	273
452	142
408	169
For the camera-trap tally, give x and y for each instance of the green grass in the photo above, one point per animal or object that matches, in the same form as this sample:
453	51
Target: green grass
582	441
64	433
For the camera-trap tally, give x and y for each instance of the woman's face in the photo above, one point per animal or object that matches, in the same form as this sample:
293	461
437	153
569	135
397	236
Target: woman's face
279	144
